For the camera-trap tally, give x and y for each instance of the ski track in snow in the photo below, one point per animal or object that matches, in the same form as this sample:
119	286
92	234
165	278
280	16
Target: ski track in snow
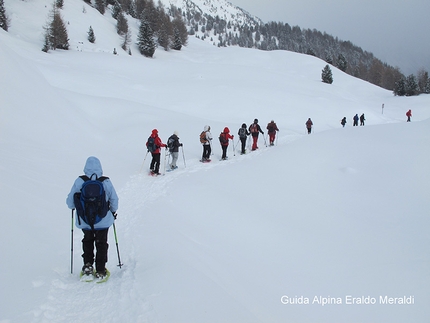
67	295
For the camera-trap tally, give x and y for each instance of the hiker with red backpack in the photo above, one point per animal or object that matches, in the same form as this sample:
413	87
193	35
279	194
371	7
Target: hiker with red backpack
154	145
271	130
255	129
223	139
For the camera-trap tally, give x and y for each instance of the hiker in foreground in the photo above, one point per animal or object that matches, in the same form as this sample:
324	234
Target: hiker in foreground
154	145
271	130
173	144
205	140
223	139
243	136
309	125
255	129
94	220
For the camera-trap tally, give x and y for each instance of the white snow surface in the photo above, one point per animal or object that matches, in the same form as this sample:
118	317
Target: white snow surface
339	214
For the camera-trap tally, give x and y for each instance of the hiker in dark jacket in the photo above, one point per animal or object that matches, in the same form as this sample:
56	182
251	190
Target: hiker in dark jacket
362	119
224	137
97	237
309	125
355	120
174	144
271	130
243	136
343	122
255	130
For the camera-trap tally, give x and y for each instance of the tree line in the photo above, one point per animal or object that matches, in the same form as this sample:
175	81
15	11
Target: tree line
281	36
157	28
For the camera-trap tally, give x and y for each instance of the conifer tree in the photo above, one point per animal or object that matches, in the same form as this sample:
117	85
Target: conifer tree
4	20
100	6
91	36
145	39
177	44
411	85
56	32
400	87
341	63
116	9
326	75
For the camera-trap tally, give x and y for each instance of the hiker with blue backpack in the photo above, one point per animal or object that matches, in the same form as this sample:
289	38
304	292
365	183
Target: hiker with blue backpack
243	136
96	202
154	145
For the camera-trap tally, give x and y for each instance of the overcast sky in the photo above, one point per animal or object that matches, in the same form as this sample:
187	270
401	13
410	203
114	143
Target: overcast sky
395	31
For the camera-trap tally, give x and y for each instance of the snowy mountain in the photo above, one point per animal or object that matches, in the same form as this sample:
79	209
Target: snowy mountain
338	218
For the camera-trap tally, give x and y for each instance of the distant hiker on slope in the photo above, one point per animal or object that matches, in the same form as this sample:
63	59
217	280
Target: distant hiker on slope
243	136
173	144
271	130
343	122
223	139
205	140
309	125
255	129
362	119
409	115
95	233
154	144
355	120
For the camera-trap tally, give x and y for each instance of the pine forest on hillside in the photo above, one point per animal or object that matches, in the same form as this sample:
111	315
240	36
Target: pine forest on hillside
170	27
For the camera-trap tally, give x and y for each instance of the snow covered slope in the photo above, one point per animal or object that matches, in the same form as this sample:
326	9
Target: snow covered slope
338	214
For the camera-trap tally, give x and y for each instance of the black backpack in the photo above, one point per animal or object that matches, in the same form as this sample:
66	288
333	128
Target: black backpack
222	138
150	144
171	143
242	132
90	202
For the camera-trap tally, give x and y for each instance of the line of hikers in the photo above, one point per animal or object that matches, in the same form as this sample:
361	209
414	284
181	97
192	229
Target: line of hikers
154	143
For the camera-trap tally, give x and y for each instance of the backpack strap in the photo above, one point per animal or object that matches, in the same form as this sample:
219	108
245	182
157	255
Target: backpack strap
100	179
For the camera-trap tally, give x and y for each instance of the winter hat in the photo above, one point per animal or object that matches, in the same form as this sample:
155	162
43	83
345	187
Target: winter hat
243	125
255	120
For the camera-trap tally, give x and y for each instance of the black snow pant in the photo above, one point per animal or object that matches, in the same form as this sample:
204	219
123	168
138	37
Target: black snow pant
99	239
224	152
155	163
243	141
206	152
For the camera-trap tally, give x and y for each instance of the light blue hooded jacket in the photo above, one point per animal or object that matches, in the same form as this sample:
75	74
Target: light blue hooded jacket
93	166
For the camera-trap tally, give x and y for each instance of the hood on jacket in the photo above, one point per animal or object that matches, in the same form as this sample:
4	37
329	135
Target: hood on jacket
244	125
93	166
207	128
154	133
226	130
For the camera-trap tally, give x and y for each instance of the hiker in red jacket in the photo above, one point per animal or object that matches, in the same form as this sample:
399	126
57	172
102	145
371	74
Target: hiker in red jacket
223	138
271	130
154	145
409	115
